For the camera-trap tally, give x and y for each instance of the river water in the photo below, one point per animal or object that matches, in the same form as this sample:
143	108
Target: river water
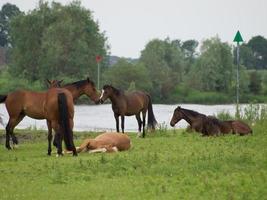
100	117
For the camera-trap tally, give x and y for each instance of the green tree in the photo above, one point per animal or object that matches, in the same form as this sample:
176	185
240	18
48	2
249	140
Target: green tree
213	70
255	83
128	76
258	45
55	41
264	83
165	63
7	12
189	49
246	57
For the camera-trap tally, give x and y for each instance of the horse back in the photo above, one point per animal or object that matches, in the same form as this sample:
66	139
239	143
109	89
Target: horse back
241	127
119	140
136	102
25	96
28	102
51	102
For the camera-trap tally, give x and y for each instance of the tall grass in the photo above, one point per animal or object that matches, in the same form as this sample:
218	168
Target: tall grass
253	114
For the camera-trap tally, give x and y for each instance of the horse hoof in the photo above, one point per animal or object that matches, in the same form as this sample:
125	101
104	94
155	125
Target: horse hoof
59	155
15	146
139	134
8	147
115	149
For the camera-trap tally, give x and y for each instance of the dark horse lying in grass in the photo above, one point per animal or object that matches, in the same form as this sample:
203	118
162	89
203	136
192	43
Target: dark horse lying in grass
55	105
129	104
209	125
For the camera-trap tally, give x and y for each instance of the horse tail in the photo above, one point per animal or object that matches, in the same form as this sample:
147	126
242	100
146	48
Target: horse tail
64	121
151	121
3	98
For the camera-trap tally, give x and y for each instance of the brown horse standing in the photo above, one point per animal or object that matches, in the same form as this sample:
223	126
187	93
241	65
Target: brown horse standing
129	104
76	89
55	105
209	125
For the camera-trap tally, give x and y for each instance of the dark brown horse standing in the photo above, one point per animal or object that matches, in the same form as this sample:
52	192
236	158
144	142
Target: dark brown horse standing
55	105
76	89
129	104
209	125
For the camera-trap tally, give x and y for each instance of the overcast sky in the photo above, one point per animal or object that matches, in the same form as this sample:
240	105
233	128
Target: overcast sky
130	24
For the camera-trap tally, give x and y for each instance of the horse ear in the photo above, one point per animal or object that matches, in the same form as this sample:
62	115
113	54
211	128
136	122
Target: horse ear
59	82
88	79
179	107
48	81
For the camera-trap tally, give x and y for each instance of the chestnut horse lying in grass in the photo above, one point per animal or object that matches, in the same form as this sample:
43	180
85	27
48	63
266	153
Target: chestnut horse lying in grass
209	125
106	142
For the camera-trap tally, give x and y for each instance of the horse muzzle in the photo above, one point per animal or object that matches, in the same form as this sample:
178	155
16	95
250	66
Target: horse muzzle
172	124
100	101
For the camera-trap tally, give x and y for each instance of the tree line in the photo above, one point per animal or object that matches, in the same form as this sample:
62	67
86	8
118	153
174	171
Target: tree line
56	41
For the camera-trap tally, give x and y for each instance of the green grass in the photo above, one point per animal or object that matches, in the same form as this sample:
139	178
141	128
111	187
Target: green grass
165	165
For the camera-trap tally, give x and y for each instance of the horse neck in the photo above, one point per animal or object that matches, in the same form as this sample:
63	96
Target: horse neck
76	92
188	116
115	98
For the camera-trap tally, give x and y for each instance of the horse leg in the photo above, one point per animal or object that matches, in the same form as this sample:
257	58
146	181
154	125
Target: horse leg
59	143
12	123
8	137
58	136
122	123
49	137
144	122
74	151
117	122
139	121
99	150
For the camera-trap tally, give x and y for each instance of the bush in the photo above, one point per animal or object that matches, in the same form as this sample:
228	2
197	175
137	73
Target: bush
252	114
184	94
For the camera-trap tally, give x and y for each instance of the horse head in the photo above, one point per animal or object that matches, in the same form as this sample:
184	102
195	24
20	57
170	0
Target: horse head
90	90
107	92
177	116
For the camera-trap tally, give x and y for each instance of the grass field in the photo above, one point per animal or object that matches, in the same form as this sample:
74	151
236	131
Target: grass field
166	165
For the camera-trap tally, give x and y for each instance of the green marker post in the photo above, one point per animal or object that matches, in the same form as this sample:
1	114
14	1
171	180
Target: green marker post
238	38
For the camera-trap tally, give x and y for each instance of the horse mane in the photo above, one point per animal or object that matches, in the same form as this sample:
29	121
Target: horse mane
214	120
80	83
192	112
116	91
